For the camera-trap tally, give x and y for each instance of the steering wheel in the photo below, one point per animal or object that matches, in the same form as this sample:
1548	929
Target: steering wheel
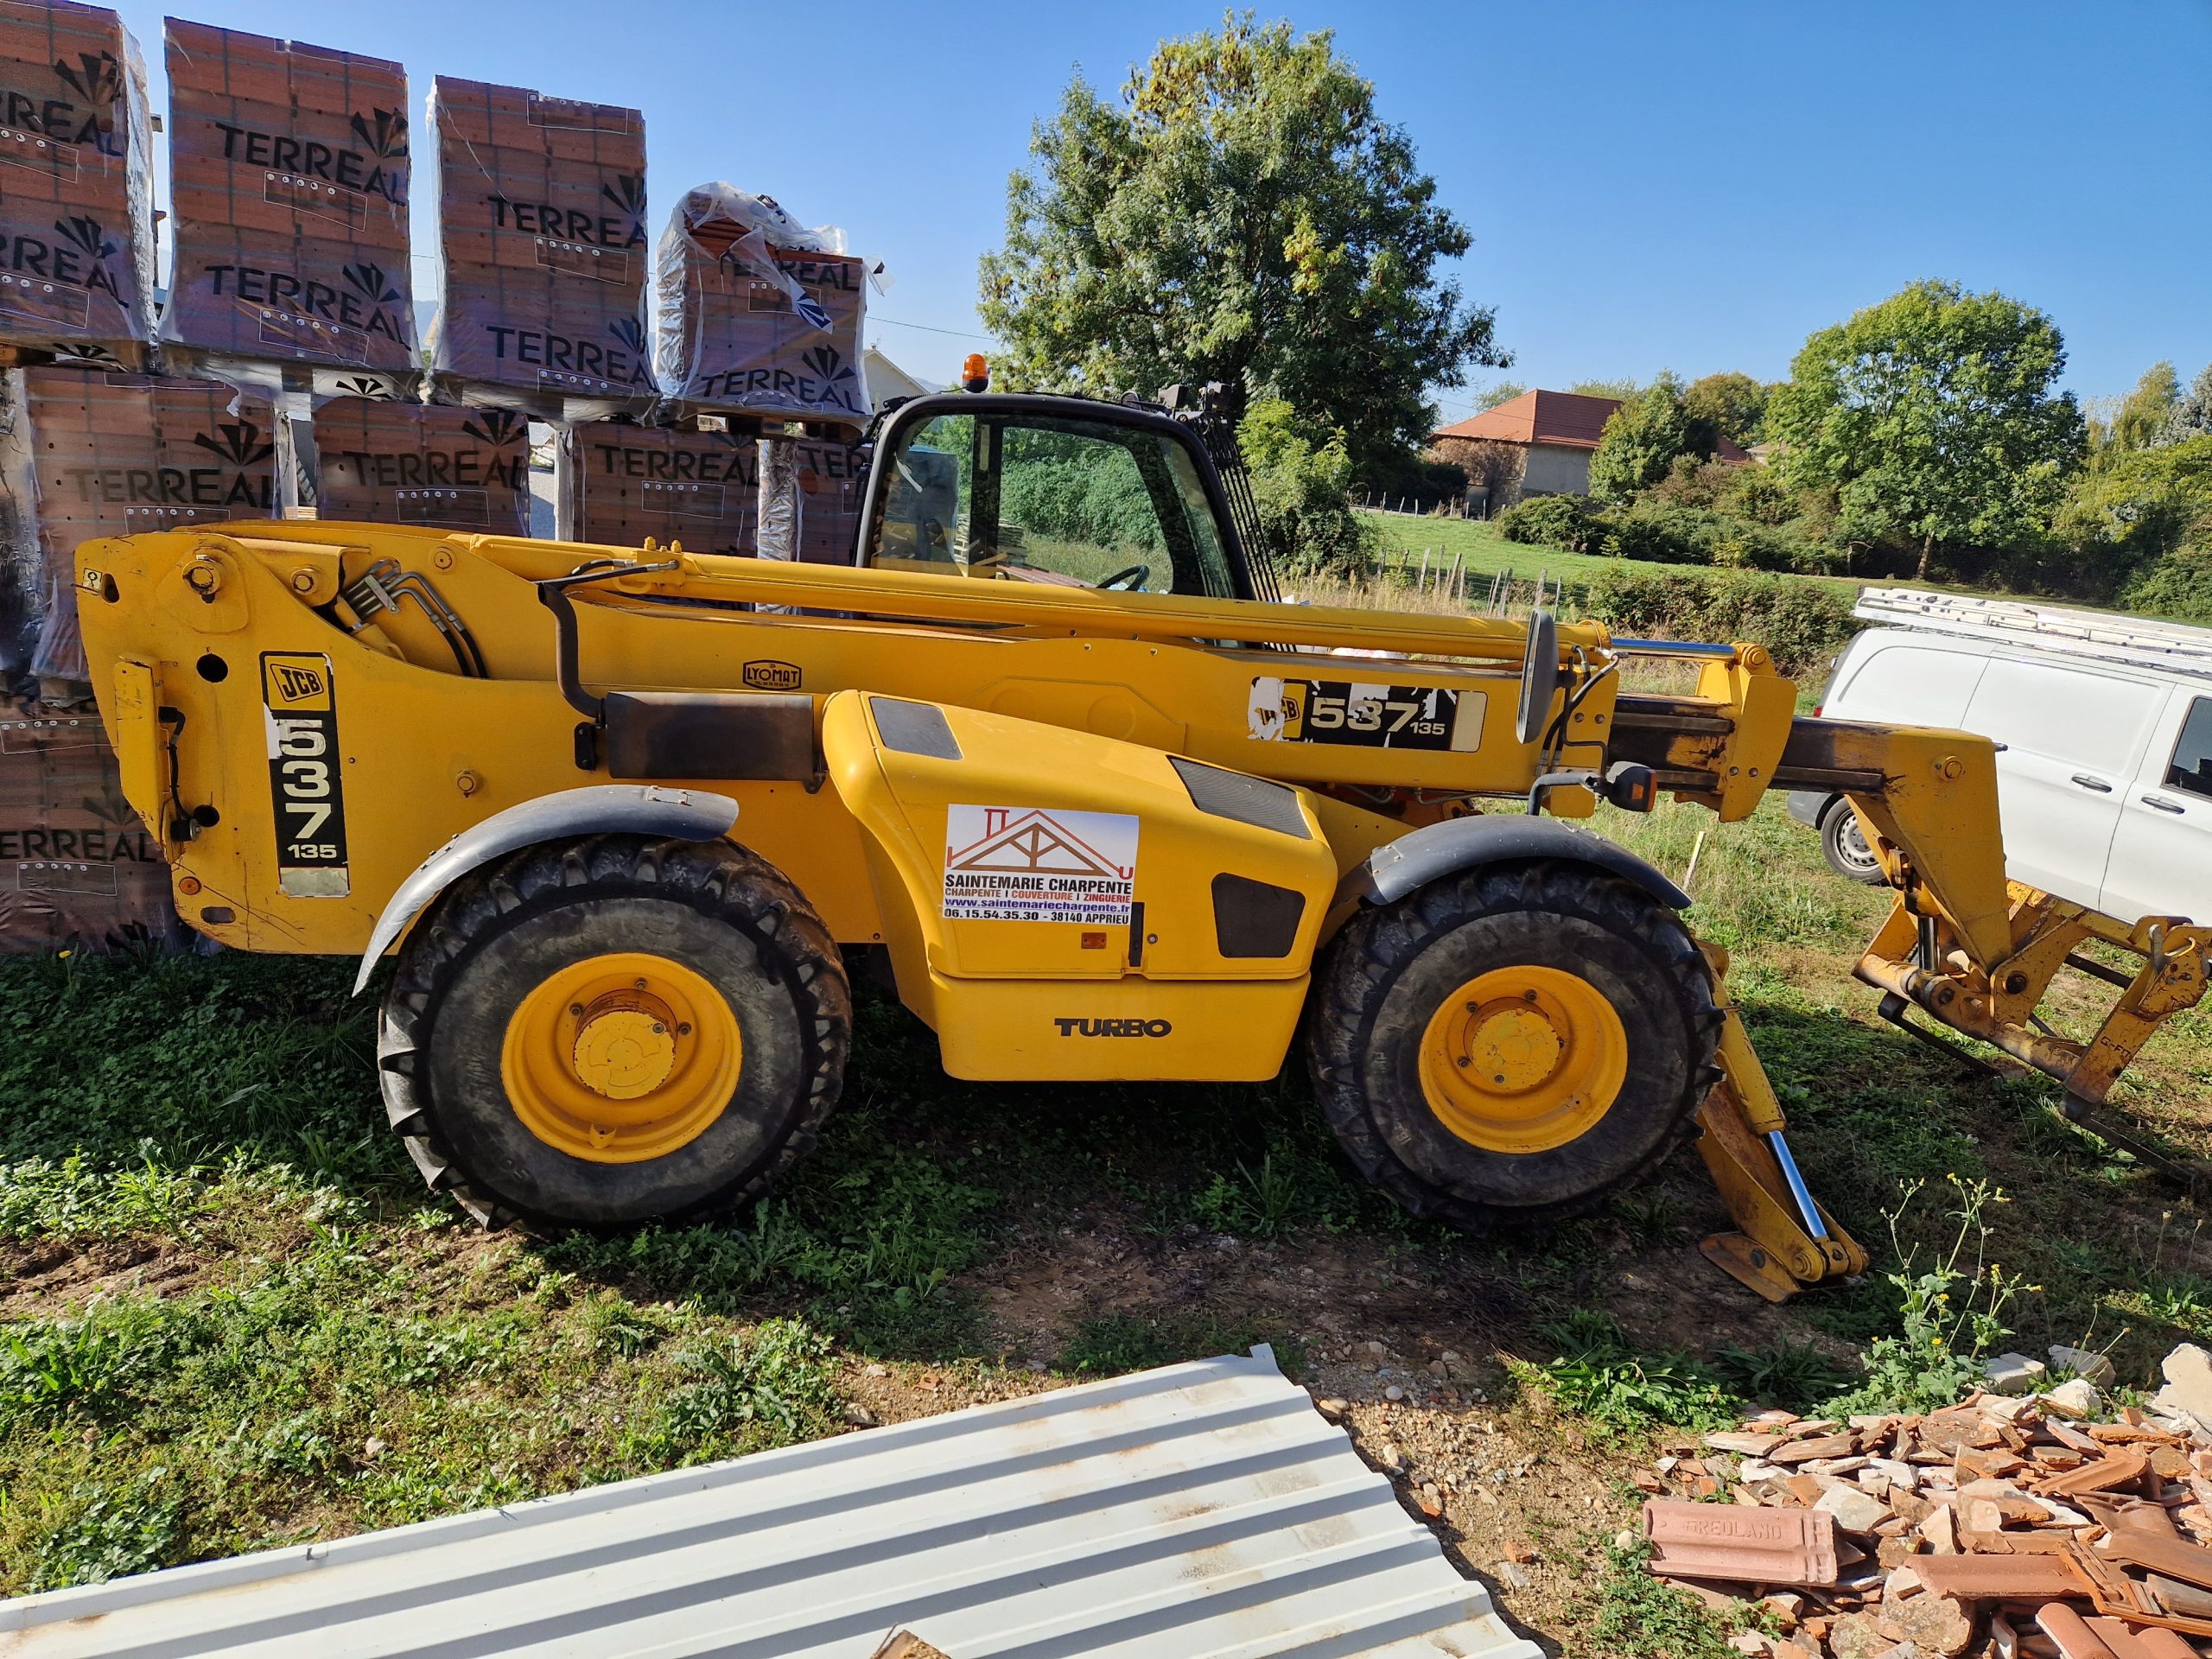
1136	576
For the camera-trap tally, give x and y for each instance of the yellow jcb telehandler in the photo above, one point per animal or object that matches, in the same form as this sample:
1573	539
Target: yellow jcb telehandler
1105	812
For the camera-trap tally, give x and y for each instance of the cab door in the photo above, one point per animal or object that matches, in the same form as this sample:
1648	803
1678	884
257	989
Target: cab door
2161	860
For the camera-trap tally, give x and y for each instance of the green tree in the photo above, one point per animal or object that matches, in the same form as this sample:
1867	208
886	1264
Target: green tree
1302	480
1733	403
2141	418
1503	391
1643	437
1932	417
2192	414
2147	503
1241	214
1621	390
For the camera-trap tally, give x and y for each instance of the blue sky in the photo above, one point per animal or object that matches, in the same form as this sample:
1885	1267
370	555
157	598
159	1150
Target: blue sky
1650	186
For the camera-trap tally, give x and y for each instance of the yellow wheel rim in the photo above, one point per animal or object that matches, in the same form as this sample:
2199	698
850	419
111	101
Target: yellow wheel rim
1522	1060
622	1058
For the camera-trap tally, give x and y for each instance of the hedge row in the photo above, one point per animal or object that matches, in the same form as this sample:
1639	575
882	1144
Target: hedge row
1664	532
1803	623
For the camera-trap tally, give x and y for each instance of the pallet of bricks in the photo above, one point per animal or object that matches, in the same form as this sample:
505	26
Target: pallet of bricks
289	178
623	484
87	453
76	295
2035	1519
541	251
758	356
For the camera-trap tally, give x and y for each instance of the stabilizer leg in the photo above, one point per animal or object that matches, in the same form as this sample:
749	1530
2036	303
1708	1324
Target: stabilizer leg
1786	1242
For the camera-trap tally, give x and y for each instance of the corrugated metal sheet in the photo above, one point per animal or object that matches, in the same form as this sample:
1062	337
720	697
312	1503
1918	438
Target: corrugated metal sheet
1200	1509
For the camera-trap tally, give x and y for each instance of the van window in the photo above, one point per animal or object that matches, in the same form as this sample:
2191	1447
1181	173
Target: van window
1910	683
2191	766
2084	719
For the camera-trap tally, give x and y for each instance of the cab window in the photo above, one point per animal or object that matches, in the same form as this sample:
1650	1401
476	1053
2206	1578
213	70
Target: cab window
2190	769
1059	502
926	520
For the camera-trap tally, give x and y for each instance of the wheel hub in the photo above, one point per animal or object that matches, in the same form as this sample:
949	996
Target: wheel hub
625	1045
622	1058
1513	1045
1522	1060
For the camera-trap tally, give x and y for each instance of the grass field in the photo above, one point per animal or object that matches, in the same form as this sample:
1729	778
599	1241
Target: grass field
1486	553
233	1319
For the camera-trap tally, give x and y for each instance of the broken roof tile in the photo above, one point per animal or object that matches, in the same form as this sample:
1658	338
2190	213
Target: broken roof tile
2002	1577
2074	1638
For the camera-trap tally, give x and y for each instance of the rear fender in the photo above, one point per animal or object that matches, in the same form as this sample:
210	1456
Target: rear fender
602	809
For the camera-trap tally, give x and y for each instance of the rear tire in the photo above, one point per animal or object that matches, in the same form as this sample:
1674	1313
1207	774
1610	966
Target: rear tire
1843	844
1514	1043
614	1030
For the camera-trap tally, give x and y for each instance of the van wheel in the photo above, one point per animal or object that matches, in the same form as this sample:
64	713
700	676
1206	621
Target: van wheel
1843	844
612	1031
1514	1043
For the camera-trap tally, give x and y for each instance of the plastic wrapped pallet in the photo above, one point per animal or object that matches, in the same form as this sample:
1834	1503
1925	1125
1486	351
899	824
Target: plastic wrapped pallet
377	461
113	455
288	184
760	315
621	484
76	186
76	864
542	252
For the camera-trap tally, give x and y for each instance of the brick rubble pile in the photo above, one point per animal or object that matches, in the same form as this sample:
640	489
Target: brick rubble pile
2030	1520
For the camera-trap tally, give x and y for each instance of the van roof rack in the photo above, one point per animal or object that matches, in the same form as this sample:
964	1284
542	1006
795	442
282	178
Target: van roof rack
2104	637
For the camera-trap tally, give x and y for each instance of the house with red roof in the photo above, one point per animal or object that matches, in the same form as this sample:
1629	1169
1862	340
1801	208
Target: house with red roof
1539	443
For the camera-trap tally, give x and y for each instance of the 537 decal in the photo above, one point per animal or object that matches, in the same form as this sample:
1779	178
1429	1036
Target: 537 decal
300	706
1366	714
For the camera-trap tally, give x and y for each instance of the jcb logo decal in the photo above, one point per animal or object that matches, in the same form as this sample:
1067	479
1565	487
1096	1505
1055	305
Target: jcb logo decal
292	683
306	780
772	676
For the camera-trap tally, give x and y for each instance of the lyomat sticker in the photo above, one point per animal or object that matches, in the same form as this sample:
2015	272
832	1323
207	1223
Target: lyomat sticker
299	707
1039	864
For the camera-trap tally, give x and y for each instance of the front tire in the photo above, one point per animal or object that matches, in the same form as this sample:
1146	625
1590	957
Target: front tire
1513	1044
1843	844
614	1030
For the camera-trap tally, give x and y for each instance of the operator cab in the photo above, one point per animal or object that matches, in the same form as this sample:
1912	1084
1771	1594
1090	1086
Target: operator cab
1060	491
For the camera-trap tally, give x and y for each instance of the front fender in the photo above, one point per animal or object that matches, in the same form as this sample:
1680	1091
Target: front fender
1412	861
600	808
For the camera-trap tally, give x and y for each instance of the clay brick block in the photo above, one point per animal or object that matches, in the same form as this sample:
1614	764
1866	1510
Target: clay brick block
730	337
113	455
289	178
75	863
541	227
624	483
379	461
76	181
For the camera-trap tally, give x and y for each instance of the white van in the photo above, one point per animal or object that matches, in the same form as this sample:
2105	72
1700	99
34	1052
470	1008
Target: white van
2105	775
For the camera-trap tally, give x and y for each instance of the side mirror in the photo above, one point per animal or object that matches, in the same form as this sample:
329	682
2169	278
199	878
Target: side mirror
1539	677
